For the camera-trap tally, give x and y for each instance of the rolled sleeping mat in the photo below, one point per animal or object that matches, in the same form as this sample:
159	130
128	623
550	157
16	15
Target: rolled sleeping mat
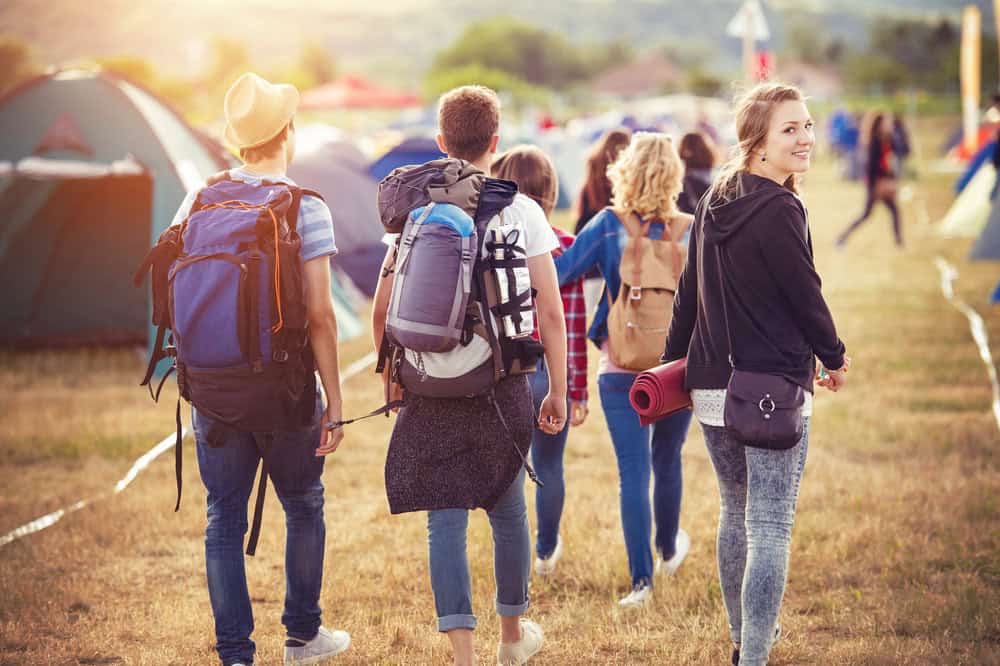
660	392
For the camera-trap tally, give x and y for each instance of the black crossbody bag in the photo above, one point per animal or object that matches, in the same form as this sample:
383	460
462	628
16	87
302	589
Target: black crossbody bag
762	410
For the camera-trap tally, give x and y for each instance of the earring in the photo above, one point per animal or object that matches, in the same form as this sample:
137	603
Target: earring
763	158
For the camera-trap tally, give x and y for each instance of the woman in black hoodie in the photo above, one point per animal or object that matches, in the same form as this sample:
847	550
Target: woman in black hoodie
751	246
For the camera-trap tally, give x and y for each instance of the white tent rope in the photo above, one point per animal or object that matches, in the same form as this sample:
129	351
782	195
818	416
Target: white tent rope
138	466
948	274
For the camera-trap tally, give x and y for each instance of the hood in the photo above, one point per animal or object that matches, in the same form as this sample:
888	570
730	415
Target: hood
724	218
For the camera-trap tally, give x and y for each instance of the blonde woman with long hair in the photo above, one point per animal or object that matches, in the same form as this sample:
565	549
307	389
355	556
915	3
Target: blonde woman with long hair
750	279
645	181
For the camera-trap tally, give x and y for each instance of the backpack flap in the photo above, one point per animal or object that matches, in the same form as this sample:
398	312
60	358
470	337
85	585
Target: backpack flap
445	180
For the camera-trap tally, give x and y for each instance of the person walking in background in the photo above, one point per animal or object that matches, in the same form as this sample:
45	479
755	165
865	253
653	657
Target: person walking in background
698	152
535	175
645	181
595	194
260	124
750	278
881	172
448	455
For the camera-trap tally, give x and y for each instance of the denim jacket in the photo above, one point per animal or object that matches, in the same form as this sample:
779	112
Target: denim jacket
600	243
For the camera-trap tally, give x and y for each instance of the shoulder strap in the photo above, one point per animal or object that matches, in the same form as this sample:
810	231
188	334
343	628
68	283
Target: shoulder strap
637	248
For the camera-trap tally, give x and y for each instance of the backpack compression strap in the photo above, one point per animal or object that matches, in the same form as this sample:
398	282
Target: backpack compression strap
258	508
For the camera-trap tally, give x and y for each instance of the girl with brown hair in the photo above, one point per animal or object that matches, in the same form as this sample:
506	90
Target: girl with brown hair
535	175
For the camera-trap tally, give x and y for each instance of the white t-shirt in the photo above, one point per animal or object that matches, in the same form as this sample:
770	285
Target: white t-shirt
540	239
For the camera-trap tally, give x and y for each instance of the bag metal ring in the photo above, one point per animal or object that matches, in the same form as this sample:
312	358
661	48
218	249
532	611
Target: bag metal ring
766	405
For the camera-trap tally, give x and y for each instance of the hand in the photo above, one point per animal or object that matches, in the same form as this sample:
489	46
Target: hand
577	412
552	414
329	440
834	379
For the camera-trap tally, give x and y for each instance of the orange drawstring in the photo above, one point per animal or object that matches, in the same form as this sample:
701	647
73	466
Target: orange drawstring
277	271
236	204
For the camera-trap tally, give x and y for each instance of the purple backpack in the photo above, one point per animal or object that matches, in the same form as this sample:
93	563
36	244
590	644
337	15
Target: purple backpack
228	284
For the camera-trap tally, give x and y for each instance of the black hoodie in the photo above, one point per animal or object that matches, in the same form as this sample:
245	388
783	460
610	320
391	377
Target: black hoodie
779	321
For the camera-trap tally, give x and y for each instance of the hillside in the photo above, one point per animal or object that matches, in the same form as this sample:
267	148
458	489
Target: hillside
399	39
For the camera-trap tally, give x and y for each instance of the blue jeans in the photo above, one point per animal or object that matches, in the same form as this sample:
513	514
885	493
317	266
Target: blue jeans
758	490
638	450
547	458
446	530
227	470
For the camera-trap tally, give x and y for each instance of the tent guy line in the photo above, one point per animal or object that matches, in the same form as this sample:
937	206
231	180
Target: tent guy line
138	466
948	275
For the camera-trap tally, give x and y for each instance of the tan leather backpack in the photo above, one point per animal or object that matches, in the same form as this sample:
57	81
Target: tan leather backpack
639	318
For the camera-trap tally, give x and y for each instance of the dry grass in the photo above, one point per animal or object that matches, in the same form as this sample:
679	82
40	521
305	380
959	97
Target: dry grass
896	555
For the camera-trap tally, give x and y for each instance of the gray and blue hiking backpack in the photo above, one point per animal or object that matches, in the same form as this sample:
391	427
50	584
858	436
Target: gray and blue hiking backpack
460	316
229	287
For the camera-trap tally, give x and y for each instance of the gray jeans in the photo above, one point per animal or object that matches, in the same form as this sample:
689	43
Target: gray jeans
759	489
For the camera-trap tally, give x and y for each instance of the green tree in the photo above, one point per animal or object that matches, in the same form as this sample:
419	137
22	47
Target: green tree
16	62
132	68
703	83
802	42
525	51
230	58
520	91
318	64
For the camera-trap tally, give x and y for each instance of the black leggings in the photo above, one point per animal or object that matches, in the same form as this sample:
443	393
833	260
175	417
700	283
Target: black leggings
869	204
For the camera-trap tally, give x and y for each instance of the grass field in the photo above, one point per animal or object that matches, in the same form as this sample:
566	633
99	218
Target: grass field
895	555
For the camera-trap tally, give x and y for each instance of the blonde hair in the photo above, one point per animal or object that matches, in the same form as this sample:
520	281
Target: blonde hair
753	120
647	177
533	171
468	118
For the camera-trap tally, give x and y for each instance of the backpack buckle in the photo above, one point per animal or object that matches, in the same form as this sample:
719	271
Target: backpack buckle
170	350
635	293
280	356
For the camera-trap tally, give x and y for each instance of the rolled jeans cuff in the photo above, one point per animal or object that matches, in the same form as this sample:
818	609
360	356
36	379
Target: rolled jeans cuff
449	622
512	610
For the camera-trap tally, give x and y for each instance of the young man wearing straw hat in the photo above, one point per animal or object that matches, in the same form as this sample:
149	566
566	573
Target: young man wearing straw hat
259	123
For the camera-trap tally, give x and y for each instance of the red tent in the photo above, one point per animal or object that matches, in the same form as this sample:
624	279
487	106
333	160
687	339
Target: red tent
355	92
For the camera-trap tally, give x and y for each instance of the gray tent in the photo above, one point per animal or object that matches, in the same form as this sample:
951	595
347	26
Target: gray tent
328	162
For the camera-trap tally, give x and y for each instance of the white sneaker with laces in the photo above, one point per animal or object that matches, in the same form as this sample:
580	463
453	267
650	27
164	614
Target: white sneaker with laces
325	644
682	546
548	565
514	654
640	594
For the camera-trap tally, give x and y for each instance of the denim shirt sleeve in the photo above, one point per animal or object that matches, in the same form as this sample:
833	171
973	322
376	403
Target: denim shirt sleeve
583	254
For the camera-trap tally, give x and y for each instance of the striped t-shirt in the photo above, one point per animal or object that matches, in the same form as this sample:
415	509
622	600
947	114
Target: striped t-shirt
315	224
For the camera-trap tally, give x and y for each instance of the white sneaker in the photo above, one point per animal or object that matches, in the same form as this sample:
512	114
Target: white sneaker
640	594
326	644
514	654
548	565
682	545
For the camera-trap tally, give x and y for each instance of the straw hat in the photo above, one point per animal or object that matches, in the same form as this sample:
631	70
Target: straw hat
256	110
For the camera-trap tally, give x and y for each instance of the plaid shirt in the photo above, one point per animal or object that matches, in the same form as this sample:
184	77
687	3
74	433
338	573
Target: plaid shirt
576	327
